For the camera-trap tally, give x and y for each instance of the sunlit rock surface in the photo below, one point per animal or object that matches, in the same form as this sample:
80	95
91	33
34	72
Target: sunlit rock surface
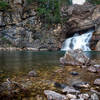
98	46
79	19
75	57
51	95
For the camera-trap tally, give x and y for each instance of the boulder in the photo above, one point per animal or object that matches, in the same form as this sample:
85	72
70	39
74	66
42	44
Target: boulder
51	95
98	46
76	57
69	89
80	17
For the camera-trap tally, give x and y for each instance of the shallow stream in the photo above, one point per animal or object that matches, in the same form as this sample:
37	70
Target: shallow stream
16	65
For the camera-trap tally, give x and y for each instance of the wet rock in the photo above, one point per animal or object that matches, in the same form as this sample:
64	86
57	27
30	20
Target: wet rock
83	66
69	89
71	96
97	81
75	57
83	96
51	95
95	91
80	85
97	66
98	46
92	69
32	73
94	97
10	87
74	73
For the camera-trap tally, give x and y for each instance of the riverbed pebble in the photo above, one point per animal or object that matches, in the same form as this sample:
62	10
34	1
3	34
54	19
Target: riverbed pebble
32	73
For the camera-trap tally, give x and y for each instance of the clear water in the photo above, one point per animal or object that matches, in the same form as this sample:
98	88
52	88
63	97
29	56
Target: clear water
16	62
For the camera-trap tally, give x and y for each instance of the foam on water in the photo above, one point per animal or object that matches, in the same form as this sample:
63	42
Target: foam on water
78	42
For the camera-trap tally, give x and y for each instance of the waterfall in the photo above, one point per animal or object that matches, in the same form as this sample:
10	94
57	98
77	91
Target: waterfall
78	42
80	2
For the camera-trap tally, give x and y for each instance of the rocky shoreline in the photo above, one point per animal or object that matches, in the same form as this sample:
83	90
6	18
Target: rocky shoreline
25	49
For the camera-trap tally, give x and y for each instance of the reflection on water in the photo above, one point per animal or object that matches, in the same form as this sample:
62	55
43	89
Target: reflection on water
15	62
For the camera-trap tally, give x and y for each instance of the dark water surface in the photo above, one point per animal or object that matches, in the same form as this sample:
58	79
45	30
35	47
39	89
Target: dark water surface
16	62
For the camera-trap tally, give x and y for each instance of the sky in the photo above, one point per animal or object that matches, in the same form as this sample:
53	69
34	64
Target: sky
80	2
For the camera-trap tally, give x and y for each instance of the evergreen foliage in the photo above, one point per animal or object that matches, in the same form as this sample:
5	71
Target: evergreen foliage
3	5
96	2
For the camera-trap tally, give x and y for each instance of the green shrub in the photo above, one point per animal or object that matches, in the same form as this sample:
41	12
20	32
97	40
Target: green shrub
3	5
49	10
96	2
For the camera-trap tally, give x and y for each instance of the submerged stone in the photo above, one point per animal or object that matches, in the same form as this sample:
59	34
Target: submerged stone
32	73
74	73
80	85
58	85
51	95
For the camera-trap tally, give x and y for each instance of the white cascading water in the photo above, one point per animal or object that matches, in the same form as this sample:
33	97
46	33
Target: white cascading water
78	42
79	2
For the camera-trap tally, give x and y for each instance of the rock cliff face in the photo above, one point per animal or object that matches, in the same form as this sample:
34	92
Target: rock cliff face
21	27
80	18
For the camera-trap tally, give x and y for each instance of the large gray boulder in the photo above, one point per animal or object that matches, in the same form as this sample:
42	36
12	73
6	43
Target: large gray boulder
76	57
98	46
